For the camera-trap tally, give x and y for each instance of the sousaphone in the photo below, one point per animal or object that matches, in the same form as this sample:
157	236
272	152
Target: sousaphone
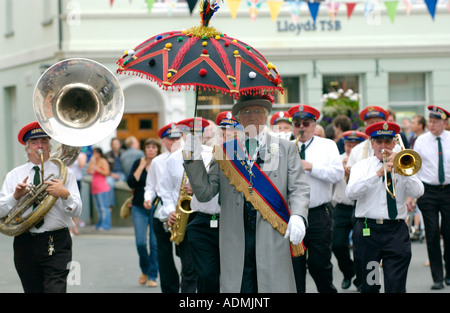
78	102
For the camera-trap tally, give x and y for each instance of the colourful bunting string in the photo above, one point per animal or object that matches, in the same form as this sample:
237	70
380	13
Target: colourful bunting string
294	6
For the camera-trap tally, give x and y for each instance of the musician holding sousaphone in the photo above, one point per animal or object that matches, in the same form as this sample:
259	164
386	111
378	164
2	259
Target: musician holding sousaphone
41	254
380	231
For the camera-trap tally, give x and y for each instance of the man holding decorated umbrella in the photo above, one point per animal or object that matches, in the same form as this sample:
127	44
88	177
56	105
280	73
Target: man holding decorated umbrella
264	201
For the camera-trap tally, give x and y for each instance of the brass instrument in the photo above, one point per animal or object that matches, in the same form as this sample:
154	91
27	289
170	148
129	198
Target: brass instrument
407	162
183	211
78	102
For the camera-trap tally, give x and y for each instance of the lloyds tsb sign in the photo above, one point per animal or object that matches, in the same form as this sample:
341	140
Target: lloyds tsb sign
309	26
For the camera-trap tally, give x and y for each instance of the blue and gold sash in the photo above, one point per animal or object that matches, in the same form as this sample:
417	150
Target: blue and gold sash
263	194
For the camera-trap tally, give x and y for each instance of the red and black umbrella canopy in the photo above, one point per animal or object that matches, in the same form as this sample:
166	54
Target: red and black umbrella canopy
202	57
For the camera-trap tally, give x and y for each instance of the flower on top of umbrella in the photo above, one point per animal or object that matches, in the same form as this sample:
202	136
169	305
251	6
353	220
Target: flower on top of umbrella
202	57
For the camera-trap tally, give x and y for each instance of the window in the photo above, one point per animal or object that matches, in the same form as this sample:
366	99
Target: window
408	93
332	83
47	18
8	18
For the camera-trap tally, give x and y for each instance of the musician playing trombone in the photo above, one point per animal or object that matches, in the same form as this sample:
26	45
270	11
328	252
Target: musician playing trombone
42	253
380	232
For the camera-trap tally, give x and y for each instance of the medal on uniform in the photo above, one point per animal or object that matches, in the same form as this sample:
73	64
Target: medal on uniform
213	223
51	246
366	230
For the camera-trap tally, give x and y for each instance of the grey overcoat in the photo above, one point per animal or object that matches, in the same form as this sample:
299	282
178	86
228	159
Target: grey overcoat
273	258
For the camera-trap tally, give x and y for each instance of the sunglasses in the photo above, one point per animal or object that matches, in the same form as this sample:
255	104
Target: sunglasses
298	123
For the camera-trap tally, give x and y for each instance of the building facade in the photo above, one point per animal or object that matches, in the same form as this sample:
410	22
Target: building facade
402	64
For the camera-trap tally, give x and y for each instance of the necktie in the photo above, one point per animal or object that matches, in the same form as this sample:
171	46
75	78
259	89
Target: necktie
37	181
37	177
251	144
302	152
391	203
441	162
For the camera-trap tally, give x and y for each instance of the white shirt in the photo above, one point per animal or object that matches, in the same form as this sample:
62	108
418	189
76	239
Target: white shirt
58	216
365	186
155	172
327	169
426	146
339	195
171	182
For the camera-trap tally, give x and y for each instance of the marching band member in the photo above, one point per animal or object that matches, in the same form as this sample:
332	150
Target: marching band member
280	122
203	230
170	190
380	231
264	195
343	213
323	167
434	148
168	273
370	115
41	254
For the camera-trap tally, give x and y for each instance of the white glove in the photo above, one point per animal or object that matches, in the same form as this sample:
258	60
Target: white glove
193	147
296	229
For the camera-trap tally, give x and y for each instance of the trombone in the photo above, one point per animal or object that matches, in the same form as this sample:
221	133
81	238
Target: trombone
407	162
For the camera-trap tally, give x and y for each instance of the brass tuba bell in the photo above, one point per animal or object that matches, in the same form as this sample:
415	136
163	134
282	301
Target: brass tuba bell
78	102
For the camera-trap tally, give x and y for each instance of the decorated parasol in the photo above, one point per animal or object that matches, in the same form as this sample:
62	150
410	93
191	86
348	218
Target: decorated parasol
202	58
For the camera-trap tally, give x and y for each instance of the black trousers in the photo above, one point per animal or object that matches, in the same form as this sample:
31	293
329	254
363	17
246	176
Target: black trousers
435	201
168	273
38	271
343	222
204	243
388	242
317	242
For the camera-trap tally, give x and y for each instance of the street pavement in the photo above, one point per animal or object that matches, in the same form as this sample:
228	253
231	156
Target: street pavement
107	262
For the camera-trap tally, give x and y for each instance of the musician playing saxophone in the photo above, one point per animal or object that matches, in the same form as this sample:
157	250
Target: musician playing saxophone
380	231
42	253
170	187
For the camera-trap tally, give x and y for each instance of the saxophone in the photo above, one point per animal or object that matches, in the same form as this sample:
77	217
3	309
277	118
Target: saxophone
183	210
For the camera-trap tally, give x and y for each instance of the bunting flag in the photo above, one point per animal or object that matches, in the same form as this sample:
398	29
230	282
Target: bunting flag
314	9
192	4
350	7
274	8
254	6
150	4
431	6
233	6
408	6
333	8
170	5
294	8
391	8
111	2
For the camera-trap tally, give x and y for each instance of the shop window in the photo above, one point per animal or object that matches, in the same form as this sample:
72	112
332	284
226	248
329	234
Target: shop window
332	83
408	93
